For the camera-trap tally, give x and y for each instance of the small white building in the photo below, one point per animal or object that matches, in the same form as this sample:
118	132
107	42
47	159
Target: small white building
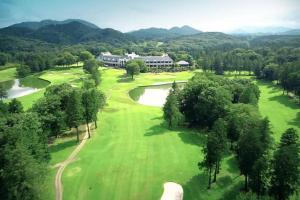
183	63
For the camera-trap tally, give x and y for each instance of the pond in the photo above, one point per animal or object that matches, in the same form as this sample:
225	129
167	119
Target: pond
153	95
21	87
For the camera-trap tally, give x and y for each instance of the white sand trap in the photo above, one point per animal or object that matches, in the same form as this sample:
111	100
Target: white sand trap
172	191
154	96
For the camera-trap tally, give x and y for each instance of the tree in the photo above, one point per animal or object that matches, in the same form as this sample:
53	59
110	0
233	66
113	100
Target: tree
142	65
250	95
24	156
249	150
219	130
3	92
66	59
3	109
210	156
85	55
171	112
132	69
51	115
3	58
23	71
285	167
96	76
90	65
289	137
88	103
74	111
241	118
204	99
99	102
259	177
88	84
15	106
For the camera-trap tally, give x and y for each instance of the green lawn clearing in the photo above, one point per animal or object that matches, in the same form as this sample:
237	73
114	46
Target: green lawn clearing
7	74
280	109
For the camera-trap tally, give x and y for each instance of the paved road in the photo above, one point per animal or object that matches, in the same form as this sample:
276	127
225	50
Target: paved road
63	165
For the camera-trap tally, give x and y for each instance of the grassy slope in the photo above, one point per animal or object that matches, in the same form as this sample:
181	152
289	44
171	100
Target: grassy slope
281	111
7	74
132	153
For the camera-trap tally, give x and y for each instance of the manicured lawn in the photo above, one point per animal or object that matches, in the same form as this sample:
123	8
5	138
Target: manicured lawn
132	153
7	74
71	76
280	109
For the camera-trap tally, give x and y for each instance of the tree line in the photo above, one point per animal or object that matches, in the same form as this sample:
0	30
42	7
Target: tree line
280	65
227	110
24	135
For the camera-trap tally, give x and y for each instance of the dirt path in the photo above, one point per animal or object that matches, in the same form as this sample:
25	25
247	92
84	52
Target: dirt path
63	165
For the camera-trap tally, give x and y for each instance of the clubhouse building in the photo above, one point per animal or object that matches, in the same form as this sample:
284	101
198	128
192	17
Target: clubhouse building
119	61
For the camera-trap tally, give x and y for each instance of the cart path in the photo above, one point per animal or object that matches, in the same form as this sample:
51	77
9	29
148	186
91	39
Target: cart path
64	164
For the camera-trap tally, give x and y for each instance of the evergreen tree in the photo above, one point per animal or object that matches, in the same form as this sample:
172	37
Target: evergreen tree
219	129
171	111
88	103
74	111
249	150
285	167
210	156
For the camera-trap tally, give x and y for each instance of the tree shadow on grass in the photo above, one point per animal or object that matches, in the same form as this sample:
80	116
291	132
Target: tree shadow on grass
196	186
124	79
192	138
284	100
61	146
157	129
296	121
233	191
232	165
186	135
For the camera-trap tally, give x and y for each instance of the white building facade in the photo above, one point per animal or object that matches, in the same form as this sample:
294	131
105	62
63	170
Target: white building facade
119	61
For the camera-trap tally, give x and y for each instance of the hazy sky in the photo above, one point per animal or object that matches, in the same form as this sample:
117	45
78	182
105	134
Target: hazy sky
126	15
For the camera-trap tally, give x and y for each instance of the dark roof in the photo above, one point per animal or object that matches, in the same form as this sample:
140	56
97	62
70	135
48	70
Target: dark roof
156	58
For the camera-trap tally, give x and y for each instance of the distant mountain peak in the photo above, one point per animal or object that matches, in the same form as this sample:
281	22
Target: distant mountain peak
160	33
70	31
37	25
184	30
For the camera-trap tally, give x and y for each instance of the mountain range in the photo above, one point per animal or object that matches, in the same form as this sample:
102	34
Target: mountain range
74	31
70	31
162	33
272	30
